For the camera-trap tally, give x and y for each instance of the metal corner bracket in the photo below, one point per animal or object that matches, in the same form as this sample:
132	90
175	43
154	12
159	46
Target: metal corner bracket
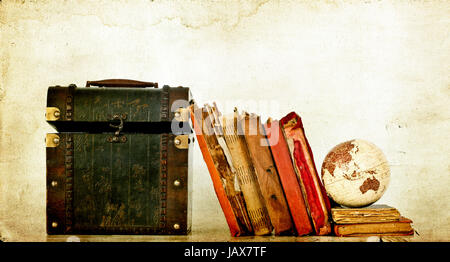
182	141
182	114
52	140
52	114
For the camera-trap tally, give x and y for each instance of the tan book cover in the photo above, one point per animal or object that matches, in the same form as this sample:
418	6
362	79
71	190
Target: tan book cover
266	173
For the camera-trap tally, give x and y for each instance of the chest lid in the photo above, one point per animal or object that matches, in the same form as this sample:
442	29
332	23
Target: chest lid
133	106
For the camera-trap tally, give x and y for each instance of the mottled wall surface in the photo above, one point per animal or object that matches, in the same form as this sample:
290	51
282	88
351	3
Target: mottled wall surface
374	70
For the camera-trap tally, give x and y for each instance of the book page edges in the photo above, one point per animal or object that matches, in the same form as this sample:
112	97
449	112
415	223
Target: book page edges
217	183
246	176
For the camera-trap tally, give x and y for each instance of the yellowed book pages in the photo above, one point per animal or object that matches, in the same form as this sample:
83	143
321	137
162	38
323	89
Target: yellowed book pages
227	176
246	176
370	214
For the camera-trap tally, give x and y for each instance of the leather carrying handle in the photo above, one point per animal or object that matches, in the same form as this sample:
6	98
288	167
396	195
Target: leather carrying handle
120	83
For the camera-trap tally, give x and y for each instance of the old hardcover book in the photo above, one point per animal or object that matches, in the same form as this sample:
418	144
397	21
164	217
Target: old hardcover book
246	176
288	178
116	166
266	173
369	214
314	193
402	227
224	180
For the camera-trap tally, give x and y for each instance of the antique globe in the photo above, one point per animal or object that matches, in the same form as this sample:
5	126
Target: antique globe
355	173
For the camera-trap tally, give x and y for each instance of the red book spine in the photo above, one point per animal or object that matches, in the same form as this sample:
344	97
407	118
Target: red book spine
288	178
315	195
215	177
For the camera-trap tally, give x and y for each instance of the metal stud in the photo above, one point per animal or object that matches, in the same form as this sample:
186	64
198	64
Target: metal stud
56	140
56	114
54	183
176	226
176	183
177	141
54	224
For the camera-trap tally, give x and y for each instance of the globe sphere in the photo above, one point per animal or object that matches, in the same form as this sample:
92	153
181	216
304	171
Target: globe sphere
355	173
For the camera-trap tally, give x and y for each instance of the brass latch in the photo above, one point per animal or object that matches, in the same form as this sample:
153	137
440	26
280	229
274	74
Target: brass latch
52	114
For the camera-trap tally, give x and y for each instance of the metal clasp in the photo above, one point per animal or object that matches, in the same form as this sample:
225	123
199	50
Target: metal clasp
117	136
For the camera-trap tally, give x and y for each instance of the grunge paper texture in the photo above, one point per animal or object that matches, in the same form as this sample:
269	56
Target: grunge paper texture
373	70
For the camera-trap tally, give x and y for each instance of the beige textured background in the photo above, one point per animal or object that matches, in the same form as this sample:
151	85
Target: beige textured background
375	70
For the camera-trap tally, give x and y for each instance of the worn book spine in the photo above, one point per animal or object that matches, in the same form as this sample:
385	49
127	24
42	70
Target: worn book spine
266	174
371	214
288	178
314	193
232	205
248	183
398	228
222	160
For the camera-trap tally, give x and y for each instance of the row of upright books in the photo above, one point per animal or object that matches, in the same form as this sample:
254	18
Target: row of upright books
263	174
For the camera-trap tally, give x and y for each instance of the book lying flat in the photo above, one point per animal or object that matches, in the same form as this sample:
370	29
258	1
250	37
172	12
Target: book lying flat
369	214
266	173
313	190
402	227
288	178
224	181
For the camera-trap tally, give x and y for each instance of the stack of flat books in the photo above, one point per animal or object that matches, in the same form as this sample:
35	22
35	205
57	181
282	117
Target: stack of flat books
374	220
263	174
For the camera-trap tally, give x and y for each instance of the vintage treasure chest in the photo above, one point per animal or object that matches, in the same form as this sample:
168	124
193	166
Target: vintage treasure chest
120	160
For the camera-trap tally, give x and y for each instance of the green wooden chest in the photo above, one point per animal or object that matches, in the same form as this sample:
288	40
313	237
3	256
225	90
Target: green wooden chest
120	161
